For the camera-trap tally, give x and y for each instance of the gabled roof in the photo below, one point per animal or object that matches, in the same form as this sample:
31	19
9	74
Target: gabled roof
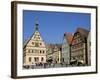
26	42
68	36
84	33
36	29
59	46
51	46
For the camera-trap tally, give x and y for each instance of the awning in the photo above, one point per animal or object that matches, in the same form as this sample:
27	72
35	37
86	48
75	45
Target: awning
73	60
81	61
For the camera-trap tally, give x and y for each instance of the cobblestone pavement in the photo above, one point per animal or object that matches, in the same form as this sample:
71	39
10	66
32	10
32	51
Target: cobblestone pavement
47	66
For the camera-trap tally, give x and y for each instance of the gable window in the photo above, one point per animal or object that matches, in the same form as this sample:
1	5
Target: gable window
38	37
32	43
36	44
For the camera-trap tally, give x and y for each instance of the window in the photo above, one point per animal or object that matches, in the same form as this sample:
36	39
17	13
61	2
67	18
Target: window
40	43
78	40
78	45
43	51
32	43
36	59
74	42
63	59
36	45
34	37
40	51
32	51
29	51
58	59
89	43
30	59
81	45
42	59
38	37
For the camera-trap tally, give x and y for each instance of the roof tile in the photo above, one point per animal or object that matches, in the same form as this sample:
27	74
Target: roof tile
68	36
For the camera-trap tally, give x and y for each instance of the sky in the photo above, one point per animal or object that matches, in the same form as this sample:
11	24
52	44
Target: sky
53	25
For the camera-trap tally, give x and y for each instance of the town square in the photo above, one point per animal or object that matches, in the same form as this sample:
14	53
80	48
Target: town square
73	49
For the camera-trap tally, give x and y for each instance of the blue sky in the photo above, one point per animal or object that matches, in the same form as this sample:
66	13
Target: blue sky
52	25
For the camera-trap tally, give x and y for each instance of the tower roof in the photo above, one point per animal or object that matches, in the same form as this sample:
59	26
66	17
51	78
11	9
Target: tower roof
36	25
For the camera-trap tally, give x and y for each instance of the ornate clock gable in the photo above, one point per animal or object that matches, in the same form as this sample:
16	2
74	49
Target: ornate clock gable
36	39
35	48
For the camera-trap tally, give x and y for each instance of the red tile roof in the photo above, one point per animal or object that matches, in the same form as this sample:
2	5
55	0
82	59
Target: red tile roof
68	36
51	46
55	45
